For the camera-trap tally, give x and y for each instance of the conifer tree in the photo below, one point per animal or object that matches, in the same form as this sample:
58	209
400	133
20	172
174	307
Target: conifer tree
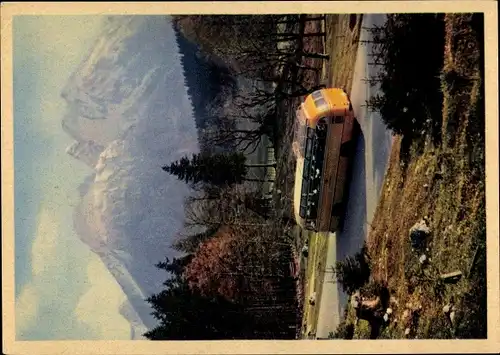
220	169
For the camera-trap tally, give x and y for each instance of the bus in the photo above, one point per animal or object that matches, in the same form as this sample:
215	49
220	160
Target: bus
324	145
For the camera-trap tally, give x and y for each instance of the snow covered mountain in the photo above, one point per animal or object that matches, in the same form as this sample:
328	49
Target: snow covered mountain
129	114
86	151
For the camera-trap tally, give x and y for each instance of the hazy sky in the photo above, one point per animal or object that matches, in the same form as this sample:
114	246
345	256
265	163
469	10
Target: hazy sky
59	282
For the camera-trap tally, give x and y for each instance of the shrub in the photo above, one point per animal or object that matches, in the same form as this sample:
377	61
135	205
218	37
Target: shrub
353	272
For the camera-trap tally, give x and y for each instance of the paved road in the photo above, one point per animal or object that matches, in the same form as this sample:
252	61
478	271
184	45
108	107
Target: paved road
369	166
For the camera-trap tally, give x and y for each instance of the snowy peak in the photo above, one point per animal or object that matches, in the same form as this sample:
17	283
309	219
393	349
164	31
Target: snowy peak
88	152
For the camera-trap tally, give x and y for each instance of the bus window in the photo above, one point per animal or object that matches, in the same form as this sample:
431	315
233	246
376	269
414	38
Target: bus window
305	188
316	94
302	212
320	104
307	154
321	127
307	167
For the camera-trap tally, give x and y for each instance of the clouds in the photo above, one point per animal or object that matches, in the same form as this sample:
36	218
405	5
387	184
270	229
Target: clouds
49	48
71	295
98	306
45	243
27	306
53	262
52	287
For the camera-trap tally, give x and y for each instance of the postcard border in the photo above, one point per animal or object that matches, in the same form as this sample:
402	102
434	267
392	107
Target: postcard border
10	346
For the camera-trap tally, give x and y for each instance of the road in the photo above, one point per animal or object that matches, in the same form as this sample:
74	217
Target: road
369	166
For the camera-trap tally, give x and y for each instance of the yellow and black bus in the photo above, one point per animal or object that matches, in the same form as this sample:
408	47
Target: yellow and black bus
324	144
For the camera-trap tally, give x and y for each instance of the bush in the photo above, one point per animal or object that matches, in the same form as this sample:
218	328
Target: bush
353	272
345	330
409	48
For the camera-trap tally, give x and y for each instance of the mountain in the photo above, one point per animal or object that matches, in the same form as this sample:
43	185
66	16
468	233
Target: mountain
86	151
129	113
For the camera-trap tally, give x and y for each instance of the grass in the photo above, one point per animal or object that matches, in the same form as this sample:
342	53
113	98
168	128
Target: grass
313	282
446	183
343	33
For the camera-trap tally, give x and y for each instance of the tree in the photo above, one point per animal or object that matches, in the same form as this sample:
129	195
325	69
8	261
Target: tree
219	169
257	125
189	243
353	272
185	314
241	260
249	264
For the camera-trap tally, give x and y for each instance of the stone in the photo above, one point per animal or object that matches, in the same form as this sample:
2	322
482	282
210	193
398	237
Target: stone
407	331
423	259
312	299
389	311
418	234
452	317
446	309
386	317
451	277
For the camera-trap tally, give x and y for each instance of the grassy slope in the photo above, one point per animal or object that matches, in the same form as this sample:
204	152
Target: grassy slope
455	203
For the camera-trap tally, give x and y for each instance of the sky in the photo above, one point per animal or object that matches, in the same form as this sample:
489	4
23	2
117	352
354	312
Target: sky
59	281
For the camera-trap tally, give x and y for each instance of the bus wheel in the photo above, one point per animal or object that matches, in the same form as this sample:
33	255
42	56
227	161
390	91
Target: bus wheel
347	148
337	209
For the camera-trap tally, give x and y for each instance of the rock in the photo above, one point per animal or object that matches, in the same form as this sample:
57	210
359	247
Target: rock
407	331
423	259
452	317
451	277
305	251
312	299
418	234
446	309
389	311
386	317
